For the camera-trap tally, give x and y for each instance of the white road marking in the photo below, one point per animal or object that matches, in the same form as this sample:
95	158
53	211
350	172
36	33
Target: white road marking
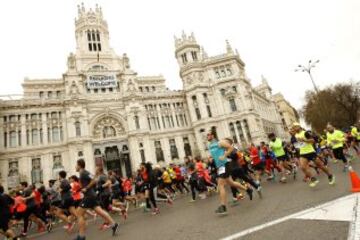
353	198
354	229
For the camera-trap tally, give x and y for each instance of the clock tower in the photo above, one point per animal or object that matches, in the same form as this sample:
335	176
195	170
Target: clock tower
91	31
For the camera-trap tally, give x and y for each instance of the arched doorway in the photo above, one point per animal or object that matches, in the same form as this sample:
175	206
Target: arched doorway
111	146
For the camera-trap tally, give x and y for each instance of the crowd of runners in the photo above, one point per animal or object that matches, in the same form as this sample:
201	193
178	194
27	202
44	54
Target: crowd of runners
73	199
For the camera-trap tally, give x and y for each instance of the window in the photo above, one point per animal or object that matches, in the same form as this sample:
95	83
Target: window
140	89
19	138
173	149
223	73
147	89
194	55
54	115
184	58
58	94
247	129
12	118
149	123
159	152
41	94
187	147
33	116
222	92
232	132
35	137
232	103
153	88
77	129
198	114
228	70
36	172
57	162
94	40
5	119
181	120
55	135
142	154
50	94
206	99
13	139
213	130
137	123
208	110
41	136
234	89
240	131
5	139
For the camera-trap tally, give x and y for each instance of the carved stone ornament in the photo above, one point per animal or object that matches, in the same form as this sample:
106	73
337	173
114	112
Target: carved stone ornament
108	127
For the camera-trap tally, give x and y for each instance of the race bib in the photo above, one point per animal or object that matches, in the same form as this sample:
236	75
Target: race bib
221	170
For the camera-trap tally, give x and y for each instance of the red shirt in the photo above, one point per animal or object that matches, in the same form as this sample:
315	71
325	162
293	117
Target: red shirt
127	185
200	169
20	205
37	198
76	191
254	155
144	175
178	173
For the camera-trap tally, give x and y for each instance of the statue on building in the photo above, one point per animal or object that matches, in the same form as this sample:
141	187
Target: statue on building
126	61
109	131
71	62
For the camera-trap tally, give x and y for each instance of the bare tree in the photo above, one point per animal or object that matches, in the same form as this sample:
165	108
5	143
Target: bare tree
338	104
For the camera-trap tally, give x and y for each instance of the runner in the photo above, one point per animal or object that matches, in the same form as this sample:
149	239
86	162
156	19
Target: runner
90	201
219	155
277	147
5	203
336	139
305	143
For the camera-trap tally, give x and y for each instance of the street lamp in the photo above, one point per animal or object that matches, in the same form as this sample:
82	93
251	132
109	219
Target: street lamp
307	69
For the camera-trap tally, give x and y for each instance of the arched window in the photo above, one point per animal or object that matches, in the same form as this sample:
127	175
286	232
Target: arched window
147	89
78	129
232	132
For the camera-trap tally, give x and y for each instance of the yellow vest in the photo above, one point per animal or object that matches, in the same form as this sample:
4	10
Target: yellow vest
337	135
305	148
355	133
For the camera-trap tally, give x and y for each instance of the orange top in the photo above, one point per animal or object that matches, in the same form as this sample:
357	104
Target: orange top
76	191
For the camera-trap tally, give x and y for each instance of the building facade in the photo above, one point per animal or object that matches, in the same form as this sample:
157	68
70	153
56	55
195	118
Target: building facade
288	113
102	111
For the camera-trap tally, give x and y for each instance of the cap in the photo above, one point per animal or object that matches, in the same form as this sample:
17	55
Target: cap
296	124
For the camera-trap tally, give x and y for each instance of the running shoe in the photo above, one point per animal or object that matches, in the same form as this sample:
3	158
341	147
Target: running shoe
335	161
283	180
169	201
221	210
259	192
331	180
156	211
313	183
104	226
192	201
240	196
49	227
271	178
147	209
114	229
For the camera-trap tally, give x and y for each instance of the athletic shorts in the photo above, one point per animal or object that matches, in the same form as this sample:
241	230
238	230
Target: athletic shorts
224	171
309	156
56	203
89	202
67	203
259	167
77	203
357	140
282	158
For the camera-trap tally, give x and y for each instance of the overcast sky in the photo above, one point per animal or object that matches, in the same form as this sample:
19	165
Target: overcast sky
272	37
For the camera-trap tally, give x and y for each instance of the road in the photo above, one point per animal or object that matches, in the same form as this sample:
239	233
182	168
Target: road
188	221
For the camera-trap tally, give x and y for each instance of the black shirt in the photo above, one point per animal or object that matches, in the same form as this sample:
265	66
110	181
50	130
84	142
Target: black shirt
30	202
85	179
65	189
5	202
102	179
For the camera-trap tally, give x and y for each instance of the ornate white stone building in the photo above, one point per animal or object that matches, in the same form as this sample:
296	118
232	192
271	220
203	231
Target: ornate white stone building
102	111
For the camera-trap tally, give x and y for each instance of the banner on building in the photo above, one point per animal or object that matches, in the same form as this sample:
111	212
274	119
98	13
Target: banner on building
101	81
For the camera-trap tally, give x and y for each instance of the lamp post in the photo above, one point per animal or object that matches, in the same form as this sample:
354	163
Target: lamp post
307	69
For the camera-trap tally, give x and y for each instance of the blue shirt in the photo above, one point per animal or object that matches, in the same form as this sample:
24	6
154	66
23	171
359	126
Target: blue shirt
216	152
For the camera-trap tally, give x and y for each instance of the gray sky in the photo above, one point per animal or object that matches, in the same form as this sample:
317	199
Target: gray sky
272	37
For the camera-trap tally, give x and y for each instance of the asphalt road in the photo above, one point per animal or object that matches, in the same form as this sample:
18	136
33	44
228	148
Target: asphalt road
188	221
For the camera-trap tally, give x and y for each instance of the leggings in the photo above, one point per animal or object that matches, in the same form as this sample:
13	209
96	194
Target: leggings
150	198
194	186
240	173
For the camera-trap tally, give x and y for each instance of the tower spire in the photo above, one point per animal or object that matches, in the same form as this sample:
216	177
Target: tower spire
229	49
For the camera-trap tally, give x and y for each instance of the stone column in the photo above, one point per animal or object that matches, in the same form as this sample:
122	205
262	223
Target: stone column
2	134
202	105
166	149
180	147
44	128
173	115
